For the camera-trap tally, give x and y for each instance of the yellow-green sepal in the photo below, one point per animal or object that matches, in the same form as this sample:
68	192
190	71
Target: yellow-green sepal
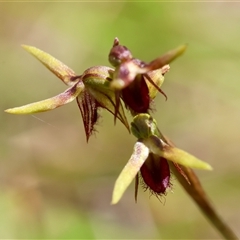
159	147
129	172
51	103
54	65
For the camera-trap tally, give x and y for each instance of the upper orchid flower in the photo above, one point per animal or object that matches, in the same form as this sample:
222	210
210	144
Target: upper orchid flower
135	81
91	90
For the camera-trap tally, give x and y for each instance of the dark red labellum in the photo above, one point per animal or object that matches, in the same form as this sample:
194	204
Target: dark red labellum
156	174
136	95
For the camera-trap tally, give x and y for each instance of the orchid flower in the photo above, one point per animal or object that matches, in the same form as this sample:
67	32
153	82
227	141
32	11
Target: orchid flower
150	157
135	81
91	90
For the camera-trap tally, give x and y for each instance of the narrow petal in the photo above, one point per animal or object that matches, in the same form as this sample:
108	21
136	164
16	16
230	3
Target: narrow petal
181	157
157	146
48	104
166	58
144	127
180	170
154	80
140	154
55	66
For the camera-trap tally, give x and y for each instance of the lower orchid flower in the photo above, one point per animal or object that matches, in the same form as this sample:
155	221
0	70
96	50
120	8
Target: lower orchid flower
150	158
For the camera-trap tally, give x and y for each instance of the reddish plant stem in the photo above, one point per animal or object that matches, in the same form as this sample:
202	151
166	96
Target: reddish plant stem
197	193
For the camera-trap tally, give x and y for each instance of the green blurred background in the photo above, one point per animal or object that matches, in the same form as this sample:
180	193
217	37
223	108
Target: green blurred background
55	185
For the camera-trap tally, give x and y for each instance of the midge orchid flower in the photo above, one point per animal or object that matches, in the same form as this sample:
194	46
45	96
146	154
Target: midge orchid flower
91	90
94	88
150	157
135	81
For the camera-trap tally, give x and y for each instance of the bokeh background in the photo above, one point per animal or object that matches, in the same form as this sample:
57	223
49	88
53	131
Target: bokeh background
55	185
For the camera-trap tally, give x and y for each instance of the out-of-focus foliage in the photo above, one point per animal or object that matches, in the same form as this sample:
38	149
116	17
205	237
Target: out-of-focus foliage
55	185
